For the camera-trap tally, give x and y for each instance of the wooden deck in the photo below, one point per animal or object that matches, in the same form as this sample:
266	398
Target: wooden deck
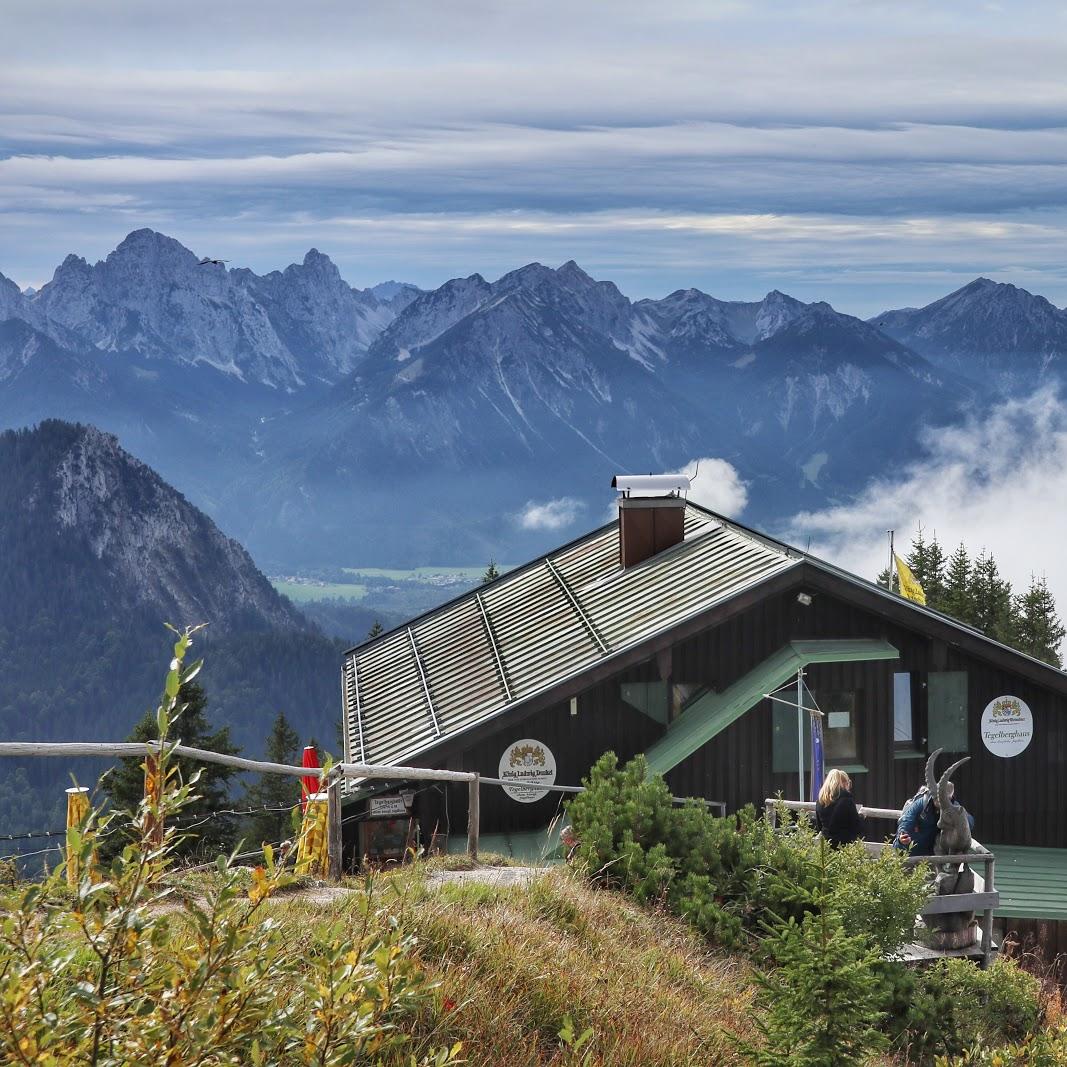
918	953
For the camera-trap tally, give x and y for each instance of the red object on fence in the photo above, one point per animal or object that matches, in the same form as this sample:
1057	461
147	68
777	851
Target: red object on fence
310	783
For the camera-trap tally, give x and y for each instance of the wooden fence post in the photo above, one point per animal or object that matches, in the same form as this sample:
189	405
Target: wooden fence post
987	918
473	816
311	846
77	810
333	828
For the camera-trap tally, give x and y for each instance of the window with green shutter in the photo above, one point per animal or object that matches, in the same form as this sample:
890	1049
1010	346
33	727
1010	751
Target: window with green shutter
946	715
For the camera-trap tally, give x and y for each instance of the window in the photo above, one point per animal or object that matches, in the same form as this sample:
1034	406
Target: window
903	728
947	711
648	697
840	730
784	758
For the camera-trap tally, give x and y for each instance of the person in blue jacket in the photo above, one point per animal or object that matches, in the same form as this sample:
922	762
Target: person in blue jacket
917	826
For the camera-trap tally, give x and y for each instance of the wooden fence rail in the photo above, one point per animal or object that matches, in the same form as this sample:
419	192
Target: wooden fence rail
330	778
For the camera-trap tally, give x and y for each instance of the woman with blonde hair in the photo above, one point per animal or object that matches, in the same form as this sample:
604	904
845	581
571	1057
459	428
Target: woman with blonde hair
836	816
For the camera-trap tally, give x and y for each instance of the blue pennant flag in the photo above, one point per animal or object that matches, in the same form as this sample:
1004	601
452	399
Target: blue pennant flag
816	754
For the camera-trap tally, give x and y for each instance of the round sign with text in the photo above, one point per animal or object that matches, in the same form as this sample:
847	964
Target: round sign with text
527	767
1007	726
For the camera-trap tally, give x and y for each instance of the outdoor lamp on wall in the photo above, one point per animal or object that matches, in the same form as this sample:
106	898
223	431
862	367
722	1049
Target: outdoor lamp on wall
805	599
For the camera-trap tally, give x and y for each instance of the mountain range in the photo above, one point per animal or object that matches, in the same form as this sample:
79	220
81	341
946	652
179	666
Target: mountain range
319	423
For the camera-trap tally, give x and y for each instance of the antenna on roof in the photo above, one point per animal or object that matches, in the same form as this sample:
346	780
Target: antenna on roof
692	478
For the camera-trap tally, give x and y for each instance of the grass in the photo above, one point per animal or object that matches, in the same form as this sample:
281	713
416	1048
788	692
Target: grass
417	574
302	592
514	964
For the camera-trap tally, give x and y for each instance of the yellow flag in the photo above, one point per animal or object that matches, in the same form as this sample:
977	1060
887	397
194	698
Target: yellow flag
909	584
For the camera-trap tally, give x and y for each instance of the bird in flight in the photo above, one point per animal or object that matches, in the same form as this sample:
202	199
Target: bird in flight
215	262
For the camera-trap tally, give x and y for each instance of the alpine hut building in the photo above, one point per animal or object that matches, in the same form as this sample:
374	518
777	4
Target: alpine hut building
662	633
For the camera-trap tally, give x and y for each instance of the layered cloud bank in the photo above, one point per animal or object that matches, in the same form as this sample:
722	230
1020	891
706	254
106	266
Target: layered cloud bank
904	148
996	482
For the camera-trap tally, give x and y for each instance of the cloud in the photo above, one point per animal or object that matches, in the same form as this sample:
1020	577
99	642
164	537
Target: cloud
549	515
995	482
717	486
883	142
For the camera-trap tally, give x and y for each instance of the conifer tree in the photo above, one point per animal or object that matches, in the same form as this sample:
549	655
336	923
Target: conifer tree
1040	631
927	563
822	1007
991	600
376	629
957	593
883	580
936	566
277	793
124	785
491	572
916	558
974	592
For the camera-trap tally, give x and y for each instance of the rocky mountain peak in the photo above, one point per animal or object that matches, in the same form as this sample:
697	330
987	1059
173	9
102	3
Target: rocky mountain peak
132	532
776	310
320	263
150	249
12	299
985	327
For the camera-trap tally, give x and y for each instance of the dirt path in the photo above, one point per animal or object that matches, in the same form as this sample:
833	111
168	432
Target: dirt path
498	876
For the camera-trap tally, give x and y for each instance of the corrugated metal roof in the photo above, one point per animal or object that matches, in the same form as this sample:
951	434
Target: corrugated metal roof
711	713
1032	881
535	627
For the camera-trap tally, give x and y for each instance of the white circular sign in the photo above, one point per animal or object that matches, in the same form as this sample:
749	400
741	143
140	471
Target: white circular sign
1007	726
527	766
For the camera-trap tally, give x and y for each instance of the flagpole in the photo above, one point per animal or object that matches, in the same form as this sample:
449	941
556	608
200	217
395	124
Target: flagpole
891	559
800	730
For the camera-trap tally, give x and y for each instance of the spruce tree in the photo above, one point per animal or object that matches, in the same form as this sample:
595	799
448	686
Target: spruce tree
376	629
927	562
974	592
207	831
916	558
822	1004
1040	629
277	793
991	600
491	573
936	565
957	593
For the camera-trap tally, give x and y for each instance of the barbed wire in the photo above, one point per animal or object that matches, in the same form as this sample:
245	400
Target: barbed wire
34	833
30	855
29	835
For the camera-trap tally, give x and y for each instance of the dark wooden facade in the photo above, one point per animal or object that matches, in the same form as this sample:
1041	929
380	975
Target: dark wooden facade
1020	800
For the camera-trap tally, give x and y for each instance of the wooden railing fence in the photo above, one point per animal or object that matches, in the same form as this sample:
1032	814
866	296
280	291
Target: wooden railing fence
331	778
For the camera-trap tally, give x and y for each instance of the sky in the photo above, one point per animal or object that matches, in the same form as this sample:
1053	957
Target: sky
871	154
995	482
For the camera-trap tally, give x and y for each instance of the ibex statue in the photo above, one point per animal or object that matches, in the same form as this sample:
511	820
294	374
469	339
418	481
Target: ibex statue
957	929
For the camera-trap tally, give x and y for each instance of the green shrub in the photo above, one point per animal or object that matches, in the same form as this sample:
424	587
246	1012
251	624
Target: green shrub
1045	1049
877	897
124	973
736	874
820	1007
963	1006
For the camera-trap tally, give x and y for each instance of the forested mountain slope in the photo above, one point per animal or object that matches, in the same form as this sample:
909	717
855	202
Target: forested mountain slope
97	554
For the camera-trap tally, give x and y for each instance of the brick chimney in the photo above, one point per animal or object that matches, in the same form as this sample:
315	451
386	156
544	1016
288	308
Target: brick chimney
651	514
